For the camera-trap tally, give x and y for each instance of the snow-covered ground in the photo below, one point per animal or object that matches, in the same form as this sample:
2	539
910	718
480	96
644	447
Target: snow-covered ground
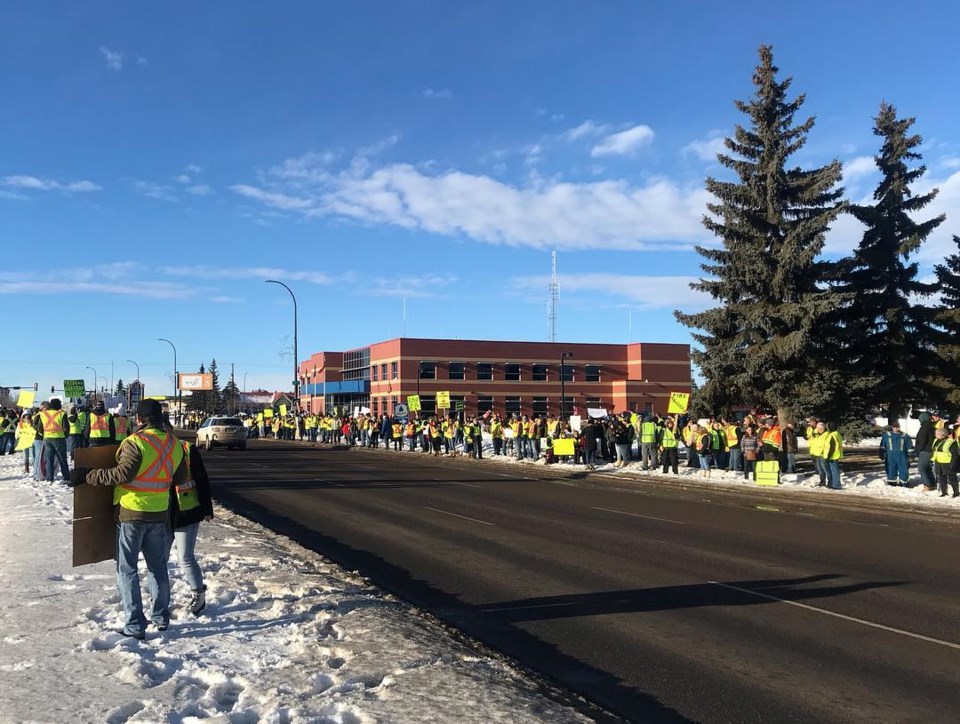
286	637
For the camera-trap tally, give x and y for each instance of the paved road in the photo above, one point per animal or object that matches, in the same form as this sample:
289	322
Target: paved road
657	602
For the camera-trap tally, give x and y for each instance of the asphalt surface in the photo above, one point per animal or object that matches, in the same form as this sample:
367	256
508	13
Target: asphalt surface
657	602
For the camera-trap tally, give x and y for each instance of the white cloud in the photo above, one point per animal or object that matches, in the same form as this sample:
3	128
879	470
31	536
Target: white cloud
587	128
119	278
427	285
544	214
200	190
439	94
157	191
205	271
113	58
645	292
706	149
183	178
193	168
12	195
625	142
34	183
950	163
141	60
858	167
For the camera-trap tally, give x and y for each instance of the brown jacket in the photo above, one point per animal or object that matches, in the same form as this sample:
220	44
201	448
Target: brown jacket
128	465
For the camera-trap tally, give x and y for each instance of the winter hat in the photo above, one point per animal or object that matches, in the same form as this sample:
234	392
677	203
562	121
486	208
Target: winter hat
98	408
149	409
924	417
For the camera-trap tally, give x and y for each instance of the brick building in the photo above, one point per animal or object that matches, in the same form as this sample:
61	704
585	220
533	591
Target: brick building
507	377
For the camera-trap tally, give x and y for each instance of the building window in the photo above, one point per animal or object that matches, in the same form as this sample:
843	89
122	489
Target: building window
566	373
456	370
539	406
376	376
512	405
393	404
592	373
594	403
484	403
484	370
567	407
428	406
511	372
394	370
383	371
428	370
540	373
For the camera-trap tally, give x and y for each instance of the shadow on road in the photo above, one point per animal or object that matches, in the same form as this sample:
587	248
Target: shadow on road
673	597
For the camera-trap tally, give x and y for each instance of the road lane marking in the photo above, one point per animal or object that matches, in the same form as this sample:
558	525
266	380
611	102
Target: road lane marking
854	619
638	515
455	515
466	485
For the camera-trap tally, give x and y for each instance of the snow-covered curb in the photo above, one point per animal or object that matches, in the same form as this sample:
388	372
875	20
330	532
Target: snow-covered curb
287	637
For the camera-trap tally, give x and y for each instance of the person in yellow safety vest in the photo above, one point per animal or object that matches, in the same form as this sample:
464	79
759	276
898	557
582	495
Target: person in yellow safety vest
410	432
731	438
496	433
149	462
75	435
689	438
100	427
832	452
771	439
648	443
120	425
55	428
516	444
433	428
946	461
449	436
816	439
190	503
668	447
396	434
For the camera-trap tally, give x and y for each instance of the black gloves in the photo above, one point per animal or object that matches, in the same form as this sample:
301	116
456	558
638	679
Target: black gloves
78	476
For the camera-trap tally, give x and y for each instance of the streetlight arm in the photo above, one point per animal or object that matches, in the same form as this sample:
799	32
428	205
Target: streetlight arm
296	358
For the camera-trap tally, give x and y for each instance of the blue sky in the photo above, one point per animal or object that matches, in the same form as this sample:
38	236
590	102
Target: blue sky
159	161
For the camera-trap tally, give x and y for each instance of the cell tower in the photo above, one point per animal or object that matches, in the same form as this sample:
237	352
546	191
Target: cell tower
554	298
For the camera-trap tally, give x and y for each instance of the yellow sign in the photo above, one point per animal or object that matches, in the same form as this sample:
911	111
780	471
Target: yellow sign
443	400
27	436
260	417
283	409
413	403
563	446
268	412
679	402
25	398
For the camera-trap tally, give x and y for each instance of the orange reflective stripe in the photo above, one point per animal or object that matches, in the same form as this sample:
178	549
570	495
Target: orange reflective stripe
51	424
99	422
160	469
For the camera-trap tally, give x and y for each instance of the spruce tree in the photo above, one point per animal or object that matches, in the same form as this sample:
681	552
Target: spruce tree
760	346
948	323
886	332
214	396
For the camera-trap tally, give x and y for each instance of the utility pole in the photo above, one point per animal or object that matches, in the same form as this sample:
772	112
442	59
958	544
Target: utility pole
554	298
233	392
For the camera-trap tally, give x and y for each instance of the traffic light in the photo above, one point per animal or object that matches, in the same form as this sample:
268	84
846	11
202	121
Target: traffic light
36	386
52	389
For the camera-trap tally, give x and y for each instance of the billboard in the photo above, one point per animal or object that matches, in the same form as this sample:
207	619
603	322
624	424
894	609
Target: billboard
195	381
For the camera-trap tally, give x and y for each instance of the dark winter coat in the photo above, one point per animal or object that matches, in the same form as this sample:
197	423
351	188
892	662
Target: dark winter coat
183	518
789	440
589	434
925	437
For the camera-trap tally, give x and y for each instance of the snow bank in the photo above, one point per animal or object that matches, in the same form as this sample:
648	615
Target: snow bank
286	637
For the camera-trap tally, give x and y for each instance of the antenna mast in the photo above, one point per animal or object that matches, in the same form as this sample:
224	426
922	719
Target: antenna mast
554	298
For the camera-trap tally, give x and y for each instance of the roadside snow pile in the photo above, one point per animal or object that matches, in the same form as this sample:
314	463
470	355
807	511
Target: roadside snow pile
287	637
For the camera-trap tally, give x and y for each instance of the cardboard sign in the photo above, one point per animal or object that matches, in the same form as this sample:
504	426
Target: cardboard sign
576	423
283	409
364	410
596	412
443	400
356	411
679	402
563	446
413	403
768	472
268	413
26	398
74	388
94	523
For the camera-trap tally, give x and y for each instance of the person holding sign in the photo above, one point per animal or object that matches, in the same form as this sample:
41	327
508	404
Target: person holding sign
149	462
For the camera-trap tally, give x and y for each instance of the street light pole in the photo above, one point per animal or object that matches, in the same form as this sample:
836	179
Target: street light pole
94	382
296	363
563	385
176	379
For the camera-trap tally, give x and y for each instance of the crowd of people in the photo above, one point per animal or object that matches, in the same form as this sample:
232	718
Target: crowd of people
743	447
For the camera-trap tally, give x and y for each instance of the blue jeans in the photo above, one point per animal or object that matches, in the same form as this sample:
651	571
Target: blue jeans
151	540
820	465
925	466
704	462
56	449
186	541
590	456
7	443
791	462
734	461
37	453
833	474
623	452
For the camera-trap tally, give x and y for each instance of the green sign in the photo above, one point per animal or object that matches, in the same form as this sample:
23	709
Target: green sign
74	388
413	403
459	404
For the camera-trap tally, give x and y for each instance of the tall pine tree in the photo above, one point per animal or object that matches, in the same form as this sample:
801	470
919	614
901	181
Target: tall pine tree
215	396
886	331
760	345
948	323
